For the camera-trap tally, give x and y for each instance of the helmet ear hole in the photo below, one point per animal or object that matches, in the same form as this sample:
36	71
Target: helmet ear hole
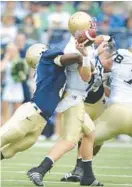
34	53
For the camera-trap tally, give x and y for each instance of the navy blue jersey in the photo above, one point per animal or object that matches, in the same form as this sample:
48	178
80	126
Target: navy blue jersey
50	78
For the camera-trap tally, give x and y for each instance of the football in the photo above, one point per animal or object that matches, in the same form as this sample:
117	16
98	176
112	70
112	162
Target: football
87	37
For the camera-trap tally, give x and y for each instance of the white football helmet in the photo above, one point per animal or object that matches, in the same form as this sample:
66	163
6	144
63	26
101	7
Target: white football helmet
34	53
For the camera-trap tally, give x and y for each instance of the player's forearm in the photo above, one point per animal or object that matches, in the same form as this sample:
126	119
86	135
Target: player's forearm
85	73
85	69
101	38
69	59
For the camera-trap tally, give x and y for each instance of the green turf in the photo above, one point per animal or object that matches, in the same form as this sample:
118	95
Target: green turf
112	166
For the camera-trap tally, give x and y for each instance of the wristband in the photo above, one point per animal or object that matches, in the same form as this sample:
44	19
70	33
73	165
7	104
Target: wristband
57	61
86	62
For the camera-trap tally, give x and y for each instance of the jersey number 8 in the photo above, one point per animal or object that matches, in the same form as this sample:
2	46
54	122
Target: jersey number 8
118	59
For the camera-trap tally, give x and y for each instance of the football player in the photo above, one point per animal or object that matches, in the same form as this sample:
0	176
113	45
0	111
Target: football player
95	100
74	119
24	127
117	118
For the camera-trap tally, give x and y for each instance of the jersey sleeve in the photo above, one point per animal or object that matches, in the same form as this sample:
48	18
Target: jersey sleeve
70	47
73	67
51	54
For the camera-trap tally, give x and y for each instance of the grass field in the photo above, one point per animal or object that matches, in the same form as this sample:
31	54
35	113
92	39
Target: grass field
112	166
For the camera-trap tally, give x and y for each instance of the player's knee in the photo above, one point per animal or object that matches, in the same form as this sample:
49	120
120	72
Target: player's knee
71	141
11	136
24	145
71	144
8	153
90	136
31	141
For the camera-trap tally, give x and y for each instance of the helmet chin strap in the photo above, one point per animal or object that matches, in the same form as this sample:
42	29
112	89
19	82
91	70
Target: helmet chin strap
88	36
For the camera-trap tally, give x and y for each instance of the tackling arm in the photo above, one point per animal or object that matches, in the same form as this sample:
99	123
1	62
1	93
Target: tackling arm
68	59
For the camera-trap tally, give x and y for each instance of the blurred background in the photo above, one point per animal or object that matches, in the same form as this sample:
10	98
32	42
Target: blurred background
24	23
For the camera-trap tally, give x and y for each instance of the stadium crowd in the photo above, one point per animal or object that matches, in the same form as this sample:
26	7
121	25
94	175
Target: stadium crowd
27	22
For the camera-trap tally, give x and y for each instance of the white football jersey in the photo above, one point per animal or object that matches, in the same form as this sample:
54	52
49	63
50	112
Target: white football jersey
75	86
74	80
121	77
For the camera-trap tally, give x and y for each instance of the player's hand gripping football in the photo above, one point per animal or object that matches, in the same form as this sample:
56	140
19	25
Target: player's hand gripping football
81	48
86	37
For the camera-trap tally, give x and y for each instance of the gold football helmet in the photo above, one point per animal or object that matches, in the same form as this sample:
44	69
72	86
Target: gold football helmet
34	53
80	21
